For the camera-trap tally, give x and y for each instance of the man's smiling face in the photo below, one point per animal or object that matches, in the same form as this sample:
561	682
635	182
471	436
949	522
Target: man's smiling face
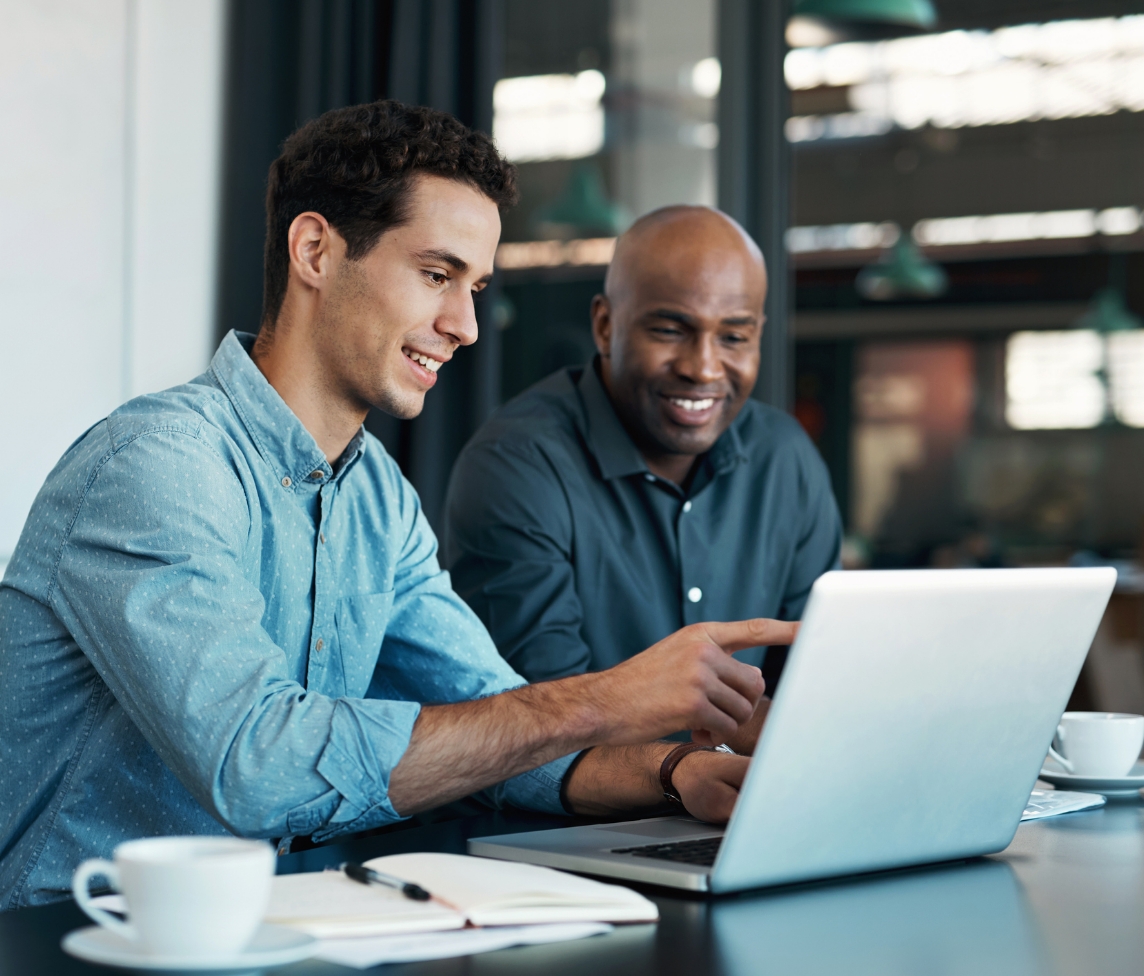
397	314
678	332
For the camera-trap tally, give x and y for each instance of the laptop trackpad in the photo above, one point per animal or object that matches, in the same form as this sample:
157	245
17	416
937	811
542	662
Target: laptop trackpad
667	829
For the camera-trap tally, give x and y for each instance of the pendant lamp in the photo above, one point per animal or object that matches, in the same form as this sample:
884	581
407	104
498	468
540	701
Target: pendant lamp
815	23
902	272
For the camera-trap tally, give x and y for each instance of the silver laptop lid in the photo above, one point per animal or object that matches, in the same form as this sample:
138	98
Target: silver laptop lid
913	715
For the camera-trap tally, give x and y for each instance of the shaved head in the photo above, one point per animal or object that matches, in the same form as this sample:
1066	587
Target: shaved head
678	235
678	330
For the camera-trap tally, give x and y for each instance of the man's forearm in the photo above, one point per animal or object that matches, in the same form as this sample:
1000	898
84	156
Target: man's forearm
614	779
459	749
686	681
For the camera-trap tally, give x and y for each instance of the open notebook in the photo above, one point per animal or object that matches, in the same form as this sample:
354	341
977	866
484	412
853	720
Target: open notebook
466	890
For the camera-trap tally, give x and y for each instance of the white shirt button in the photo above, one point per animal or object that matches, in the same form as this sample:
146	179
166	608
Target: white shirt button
687	506
695	594
649	477
286	482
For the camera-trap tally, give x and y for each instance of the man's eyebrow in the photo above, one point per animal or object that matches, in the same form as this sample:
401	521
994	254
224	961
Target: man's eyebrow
672	316
460	265
684	319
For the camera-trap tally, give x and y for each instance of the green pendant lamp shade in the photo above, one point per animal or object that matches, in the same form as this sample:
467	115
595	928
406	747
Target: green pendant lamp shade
902	272
916	14
582	209
1109	313
815	23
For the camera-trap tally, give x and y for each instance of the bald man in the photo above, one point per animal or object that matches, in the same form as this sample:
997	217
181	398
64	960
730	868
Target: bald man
612	504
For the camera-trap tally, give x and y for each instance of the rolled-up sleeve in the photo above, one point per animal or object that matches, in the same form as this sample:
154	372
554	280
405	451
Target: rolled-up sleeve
152	584
437	650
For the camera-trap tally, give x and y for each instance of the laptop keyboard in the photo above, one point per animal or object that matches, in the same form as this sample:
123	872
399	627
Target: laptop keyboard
700	852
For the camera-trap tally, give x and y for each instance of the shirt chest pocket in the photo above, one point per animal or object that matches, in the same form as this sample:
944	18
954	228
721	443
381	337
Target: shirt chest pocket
361	621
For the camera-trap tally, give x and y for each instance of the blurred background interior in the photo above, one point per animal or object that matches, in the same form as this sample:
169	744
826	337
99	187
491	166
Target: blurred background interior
949	197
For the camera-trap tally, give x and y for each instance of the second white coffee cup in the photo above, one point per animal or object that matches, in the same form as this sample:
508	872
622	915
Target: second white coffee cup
191	898
1098	744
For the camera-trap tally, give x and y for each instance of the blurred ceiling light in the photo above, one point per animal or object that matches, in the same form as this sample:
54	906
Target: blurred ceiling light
841	237
549	116
1118	220
953	231
1049	225
1053	380
554	254
844	125
706	77
1061	69
819	22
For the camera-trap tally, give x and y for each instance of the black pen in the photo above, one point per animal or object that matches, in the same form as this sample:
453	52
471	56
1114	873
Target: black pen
363	875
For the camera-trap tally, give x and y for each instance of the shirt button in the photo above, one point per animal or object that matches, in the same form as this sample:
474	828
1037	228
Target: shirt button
695	594
286	482
316	475
649	477
319	645
322	536
687	506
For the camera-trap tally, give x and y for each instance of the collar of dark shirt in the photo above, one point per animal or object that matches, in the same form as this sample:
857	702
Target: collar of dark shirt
282	441
616	452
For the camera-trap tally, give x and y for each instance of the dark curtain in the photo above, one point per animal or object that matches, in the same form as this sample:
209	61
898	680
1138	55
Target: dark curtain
291	60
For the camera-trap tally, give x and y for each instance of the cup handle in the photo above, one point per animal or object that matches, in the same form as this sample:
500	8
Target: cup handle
80	880
1060	738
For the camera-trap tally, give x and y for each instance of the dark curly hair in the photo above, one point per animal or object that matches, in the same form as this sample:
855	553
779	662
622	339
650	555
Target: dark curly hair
355	167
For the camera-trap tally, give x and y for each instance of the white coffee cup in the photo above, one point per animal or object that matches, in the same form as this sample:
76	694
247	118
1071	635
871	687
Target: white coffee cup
194	898
1098	744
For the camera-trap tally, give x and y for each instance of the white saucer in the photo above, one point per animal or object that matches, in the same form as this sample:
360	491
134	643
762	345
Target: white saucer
1125	786
272	946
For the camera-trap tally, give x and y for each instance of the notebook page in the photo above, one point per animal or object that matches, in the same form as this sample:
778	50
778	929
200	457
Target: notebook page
492	892
327	904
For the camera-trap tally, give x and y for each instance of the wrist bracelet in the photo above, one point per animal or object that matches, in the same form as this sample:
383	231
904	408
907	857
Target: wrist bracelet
670	761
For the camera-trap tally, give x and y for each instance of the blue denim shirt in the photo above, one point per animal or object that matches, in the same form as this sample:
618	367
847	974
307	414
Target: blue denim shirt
205	628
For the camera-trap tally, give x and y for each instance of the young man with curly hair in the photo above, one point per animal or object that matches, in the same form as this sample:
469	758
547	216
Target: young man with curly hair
225	610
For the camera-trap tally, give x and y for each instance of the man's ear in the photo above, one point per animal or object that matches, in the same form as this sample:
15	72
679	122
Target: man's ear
602	325
310	243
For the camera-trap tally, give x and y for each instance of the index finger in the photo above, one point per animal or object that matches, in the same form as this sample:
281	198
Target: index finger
738	635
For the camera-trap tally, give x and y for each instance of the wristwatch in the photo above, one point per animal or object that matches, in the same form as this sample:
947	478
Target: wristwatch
670	761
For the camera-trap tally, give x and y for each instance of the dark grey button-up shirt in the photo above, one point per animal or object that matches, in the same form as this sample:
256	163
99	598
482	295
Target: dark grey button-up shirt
576	556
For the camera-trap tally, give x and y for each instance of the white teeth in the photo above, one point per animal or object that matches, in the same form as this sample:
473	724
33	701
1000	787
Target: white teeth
695	405
430	364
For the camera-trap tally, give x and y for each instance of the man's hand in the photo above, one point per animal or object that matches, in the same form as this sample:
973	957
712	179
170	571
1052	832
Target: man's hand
687	681
708	783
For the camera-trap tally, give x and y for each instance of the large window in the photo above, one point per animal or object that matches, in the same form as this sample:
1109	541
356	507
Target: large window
1074	379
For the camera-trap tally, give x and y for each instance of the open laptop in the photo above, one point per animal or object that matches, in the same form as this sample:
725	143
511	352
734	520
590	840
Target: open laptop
913	716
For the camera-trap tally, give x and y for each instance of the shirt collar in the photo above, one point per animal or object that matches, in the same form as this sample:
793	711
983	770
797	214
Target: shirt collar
282	441
614	449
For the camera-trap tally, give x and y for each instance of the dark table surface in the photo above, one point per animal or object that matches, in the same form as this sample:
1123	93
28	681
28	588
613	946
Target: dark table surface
1066	897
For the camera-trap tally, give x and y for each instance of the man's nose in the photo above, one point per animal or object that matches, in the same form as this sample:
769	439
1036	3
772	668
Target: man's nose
700	361
459	319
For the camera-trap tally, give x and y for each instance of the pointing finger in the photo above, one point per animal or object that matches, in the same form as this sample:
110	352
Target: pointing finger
738	635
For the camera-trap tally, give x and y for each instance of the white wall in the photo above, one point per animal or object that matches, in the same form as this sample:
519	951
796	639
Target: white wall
110	125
